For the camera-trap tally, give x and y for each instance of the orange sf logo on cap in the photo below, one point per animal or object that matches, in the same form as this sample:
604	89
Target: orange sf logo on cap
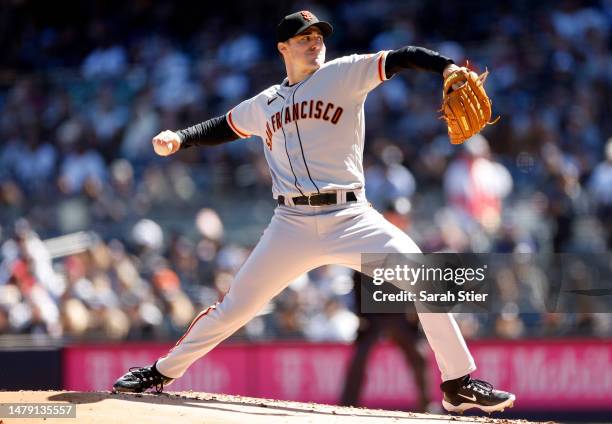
307	15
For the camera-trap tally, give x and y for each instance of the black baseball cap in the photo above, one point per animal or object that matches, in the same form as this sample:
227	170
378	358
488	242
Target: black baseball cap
298	22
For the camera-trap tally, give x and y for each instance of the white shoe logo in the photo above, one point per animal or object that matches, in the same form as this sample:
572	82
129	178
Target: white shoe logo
473	398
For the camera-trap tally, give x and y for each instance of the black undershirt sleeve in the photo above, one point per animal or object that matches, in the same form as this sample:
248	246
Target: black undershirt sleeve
208	133
416	58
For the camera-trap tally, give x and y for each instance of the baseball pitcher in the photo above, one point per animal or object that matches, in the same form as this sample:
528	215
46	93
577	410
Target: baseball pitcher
312	128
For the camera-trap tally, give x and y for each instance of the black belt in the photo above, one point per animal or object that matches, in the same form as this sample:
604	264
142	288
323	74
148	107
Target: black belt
320	199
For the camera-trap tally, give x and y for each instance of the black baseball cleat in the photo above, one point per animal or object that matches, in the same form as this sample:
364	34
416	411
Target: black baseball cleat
472	393
139	379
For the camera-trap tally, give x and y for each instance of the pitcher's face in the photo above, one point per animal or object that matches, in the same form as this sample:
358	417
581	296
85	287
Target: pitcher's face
305	50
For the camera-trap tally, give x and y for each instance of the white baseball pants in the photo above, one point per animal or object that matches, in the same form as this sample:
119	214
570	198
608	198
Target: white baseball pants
297	240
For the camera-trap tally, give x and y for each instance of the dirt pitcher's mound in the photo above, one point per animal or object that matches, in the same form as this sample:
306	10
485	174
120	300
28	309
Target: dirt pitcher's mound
191	407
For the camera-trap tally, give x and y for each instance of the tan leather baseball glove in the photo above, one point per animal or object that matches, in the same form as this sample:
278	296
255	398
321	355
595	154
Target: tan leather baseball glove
466	108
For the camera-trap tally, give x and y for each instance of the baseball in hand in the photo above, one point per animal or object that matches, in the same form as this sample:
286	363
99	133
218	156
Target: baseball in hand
166	143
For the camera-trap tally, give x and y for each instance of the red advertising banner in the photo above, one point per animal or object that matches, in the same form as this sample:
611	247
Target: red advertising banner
560	375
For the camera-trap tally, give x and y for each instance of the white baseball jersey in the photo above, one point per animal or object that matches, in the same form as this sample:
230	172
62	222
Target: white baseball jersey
313	131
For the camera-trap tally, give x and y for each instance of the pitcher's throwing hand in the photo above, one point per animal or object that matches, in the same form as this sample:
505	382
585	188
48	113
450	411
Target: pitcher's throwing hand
166	143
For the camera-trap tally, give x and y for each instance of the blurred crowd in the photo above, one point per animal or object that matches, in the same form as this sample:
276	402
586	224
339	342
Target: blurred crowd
83	88
150	286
